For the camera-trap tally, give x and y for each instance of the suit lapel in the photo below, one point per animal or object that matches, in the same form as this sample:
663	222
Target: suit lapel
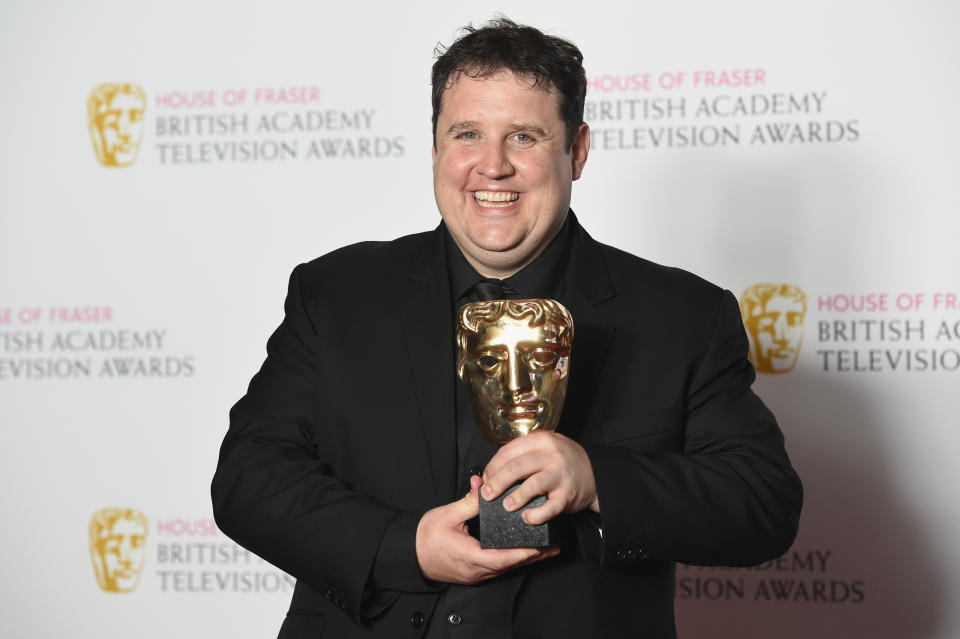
427	326
587	284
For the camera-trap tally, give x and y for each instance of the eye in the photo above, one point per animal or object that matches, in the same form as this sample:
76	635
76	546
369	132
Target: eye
468	135
488	363
523	138
542	359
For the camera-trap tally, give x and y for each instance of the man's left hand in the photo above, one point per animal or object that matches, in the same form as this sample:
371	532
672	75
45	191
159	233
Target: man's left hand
550	464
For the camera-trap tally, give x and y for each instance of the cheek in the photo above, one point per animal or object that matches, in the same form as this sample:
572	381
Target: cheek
540	384
452	167
542	170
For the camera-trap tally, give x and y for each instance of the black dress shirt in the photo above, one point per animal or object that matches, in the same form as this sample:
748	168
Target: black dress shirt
485	610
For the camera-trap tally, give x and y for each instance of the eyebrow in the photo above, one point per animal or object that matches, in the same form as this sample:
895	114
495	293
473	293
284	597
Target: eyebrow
460	127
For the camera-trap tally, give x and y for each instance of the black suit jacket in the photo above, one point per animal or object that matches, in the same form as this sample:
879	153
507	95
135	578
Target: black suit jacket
348	430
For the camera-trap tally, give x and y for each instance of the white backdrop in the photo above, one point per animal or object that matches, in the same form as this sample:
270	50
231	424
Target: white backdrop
832	167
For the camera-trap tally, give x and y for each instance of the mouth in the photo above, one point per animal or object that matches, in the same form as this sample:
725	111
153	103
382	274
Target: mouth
521	410
495	199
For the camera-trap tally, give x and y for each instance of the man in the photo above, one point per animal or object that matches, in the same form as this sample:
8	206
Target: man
344	461
773	316
118	547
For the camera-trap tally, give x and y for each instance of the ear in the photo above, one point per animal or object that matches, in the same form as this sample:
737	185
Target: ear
580	149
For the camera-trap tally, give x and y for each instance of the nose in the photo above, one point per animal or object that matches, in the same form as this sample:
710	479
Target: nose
494	162
518	380
123	125
780	330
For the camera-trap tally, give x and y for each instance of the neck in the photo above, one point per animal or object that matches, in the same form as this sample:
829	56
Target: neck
499	271
501	265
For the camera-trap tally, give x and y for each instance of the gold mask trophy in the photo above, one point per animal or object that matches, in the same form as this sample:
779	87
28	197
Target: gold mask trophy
514	356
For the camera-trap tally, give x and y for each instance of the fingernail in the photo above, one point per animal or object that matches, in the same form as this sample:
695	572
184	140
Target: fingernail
508	503
487	491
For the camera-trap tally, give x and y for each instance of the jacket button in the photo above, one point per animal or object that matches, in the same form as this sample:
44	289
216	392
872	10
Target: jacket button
631	554
643	554
417	619
454	619
474	470
621	554
328	594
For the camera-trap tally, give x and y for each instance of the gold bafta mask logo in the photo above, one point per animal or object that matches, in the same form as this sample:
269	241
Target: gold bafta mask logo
115	118
118	548
515	357
773	316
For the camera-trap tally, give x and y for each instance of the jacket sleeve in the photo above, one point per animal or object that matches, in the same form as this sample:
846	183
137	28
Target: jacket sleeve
729	497
276	494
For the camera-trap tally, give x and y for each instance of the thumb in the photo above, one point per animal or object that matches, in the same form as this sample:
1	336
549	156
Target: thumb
467	506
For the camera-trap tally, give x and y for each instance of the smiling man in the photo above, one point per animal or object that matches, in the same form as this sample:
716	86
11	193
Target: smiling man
360	481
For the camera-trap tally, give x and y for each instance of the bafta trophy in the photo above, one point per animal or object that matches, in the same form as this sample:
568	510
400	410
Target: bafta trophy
514	356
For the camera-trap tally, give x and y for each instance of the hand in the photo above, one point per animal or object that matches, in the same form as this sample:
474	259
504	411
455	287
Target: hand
550	464
446	552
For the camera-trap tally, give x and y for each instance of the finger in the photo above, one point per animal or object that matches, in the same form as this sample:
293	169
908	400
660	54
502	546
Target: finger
516	469
542	514
475	484
543	553
492	562
540	483
464	508
529	556
511	450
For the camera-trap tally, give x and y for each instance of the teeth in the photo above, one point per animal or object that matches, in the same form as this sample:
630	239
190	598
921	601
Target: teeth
495	199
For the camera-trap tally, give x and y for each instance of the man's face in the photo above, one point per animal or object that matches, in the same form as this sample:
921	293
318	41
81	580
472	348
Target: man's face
778	332
501	172
122	550
517	376
120	123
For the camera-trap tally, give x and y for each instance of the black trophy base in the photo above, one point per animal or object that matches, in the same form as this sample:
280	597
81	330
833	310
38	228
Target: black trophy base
502	529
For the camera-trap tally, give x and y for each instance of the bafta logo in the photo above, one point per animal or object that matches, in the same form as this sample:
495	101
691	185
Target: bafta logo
773	316
118	548
115	118
514	356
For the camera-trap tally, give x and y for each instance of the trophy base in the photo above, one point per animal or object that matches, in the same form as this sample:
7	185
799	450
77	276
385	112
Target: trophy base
502	529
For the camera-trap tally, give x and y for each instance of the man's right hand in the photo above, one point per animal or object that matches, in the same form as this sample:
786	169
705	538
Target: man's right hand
448	553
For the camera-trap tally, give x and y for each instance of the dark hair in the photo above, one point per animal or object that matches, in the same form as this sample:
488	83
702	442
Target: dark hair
551	63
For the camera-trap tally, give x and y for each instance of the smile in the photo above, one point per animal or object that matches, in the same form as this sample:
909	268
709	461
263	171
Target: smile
495	199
